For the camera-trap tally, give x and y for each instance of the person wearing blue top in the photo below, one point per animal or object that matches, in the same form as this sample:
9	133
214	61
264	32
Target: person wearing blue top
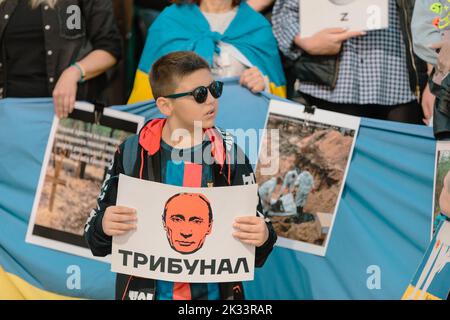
236	41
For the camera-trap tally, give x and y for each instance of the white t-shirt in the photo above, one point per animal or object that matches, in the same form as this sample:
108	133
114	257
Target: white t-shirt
230	62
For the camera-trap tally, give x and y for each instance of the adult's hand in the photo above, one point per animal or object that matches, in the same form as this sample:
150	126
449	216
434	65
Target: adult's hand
253	79
65	92
327	42
428	100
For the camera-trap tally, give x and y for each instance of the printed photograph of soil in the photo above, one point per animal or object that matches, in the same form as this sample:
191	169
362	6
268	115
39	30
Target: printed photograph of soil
73	197
301	197
442	177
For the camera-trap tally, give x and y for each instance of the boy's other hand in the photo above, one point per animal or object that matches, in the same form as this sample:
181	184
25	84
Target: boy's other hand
119	220
251	230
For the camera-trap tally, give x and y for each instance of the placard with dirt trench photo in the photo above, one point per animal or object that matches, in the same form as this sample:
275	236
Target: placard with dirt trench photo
301	171
79	152
441	198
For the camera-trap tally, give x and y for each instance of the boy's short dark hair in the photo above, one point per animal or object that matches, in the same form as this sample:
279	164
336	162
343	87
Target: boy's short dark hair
169	69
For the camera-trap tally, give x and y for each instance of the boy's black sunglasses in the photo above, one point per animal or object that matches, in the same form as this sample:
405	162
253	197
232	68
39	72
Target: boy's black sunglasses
200	94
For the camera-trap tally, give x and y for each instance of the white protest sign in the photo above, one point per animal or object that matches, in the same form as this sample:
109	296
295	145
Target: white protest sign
356	15
184	234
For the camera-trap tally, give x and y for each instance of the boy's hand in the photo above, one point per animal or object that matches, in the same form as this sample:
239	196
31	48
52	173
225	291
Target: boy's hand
251	230
119	220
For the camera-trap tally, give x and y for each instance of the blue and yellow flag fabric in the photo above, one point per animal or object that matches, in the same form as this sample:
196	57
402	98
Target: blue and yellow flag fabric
184	28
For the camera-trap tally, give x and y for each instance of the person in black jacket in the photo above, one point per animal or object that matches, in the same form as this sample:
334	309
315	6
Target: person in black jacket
187	94
59	49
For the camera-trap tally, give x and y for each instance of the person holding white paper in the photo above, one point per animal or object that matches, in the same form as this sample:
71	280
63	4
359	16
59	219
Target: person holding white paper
184	150
236	40
373	74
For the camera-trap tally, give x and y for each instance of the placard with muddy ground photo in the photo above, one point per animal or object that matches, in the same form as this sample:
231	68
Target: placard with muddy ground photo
441	199
79	151
301	172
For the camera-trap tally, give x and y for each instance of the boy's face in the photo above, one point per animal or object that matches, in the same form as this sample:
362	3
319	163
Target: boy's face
187	223
185	110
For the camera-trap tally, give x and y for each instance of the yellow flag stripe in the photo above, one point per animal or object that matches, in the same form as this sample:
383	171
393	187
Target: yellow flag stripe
15	288
278	91
141	89
409	291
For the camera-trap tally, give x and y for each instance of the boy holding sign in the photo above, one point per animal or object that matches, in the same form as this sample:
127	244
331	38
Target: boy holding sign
172	152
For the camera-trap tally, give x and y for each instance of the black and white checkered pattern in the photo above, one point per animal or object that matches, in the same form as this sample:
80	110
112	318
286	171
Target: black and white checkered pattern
373	68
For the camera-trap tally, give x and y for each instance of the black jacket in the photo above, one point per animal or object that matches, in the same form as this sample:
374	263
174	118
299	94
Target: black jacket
238	171
98	31
418	71
153	4
324	69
